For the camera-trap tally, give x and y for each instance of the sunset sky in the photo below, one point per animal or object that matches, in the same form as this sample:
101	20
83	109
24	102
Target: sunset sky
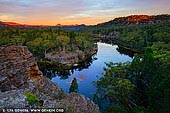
52	12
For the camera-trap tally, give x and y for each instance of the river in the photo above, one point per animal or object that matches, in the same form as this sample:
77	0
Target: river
91	72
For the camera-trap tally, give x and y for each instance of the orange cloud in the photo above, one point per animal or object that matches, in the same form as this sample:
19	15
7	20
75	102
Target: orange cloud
52	12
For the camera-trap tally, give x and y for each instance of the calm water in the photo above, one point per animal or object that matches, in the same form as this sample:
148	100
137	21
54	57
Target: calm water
92	72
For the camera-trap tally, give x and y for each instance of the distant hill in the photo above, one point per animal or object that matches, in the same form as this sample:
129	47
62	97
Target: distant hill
11	24
136	20
120	21
70	27
64	27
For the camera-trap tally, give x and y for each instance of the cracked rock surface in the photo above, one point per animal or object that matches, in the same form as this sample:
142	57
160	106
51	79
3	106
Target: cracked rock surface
19	73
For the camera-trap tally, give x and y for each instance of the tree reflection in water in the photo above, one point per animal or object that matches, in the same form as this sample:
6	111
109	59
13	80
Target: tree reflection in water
65	73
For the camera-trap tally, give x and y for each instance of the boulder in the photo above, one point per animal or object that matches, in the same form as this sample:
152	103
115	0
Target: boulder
65	58
15	67
19	74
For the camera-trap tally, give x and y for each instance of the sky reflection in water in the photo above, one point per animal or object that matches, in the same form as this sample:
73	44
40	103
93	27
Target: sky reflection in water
106	53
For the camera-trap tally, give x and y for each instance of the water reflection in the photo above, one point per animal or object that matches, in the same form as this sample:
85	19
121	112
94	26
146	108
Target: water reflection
82	78
122	50
89	71
65	73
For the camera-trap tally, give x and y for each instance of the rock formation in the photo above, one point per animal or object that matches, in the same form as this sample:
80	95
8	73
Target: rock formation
19	74
64	58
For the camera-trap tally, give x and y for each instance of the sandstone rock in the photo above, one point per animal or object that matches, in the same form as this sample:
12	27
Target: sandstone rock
15	65
19	73
13	99
80	104
66	58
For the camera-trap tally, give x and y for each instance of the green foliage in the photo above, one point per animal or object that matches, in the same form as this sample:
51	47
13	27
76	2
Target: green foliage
74	86
115	109
149	72
139	109
41	41
141	86
159	92
136	37
148	58
148	65
135	68
159	96
114	85
72	37
31	98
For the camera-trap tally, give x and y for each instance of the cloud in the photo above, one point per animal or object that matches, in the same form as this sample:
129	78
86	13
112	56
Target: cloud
82	11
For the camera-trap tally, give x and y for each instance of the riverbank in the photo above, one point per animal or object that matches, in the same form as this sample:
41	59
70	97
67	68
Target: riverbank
118	42
65	59
24	86
89	72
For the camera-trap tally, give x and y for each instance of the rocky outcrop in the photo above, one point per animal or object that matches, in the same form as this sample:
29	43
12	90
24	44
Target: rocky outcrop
15	63
13	99
136	20
80	104
66	58
19	74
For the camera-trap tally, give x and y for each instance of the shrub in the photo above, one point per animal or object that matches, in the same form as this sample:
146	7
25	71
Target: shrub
31	98
115	109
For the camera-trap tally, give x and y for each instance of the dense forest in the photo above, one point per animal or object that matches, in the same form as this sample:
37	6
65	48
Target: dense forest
143	85
140	86
41	41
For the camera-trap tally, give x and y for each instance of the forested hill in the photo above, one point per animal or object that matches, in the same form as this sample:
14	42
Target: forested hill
75	27
136	20
135	32
142	86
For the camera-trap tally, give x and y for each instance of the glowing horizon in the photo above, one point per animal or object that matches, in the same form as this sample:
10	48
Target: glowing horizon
66	12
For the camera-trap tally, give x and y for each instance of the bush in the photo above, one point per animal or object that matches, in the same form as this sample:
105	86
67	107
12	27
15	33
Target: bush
115	109
139	109
31	98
